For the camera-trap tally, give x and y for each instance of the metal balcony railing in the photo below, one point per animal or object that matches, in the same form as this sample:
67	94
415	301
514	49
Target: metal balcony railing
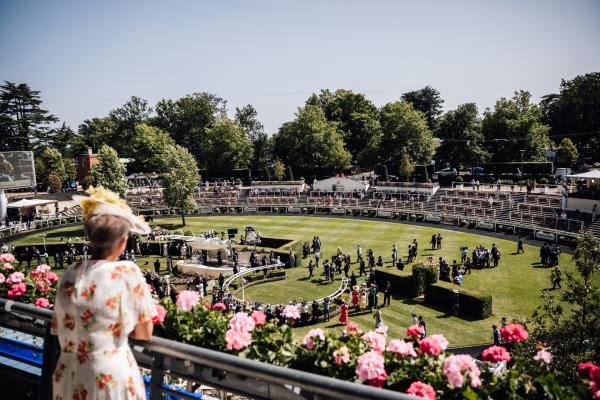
196	365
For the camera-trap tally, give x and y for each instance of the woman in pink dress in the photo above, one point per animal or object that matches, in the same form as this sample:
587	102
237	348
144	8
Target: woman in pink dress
355	297
344	314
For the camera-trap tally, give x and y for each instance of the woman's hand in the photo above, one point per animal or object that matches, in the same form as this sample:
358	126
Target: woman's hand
142	331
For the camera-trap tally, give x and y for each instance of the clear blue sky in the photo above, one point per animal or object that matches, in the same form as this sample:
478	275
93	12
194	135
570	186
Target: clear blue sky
88	57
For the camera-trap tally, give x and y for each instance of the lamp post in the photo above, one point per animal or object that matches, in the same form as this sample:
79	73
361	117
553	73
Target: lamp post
43	235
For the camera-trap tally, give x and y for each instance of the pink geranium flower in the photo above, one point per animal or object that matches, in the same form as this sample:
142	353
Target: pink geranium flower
513	333
51	277
259	317
414	330
341	356
370	366
382	330
375	340
2	278
456	365
237	340
421	389
42	302
187	300
219	306
543	355
17	290
401	348
8	266
351	327
291	311
433	345
161	312
7	258
495	354
15	277
308	338
43	268
241	322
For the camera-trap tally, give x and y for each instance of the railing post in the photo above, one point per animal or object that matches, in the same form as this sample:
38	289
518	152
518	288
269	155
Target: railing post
50	358
157	378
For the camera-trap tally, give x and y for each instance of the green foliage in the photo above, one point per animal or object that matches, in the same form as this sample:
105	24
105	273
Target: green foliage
403	131
428	101
406	167
94	133
24	125
110	171
180	180
472	303
386	175
70	171
462	139
311	141
54	183
246	118
278	169
148	148
424	274
567	153
263	152
515	124
356	116
289	173
459	179
227	147
49	162
569	322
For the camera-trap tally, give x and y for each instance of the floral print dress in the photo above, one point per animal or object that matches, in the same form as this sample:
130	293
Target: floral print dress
98	303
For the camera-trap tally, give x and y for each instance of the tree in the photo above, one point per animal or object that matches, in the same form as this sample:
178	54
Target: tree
49	162
278	169
125	118
54	183
64	138
94	133
109	172
386	175
568	322
310	141
406	167
289	174
247	121
461	136
515	125
263	152
403	131
576	110
567	153
148	148
186	120
357	117
24	125
70	171
227	147
428	101
180	180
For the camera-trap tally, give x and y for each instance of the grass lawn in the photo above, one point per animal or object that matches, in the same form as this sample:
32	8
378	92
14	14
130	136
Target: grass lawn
515	285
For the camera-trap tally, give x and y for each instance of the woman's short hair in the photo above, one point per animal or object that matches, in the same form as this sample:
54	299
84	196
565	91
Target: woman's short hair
104	231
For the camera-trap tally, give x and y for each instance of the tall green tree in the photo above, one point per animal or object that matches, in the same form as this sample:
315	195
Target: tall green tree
180	180
64	138
49	162
125	118
278	169
227	147
187	119
567	153
70	170
94	133
568	321
263	152
357	117
148	148
406	167
514	125
428	101
246	118
403	131
109	172
311	141
461	136
24	125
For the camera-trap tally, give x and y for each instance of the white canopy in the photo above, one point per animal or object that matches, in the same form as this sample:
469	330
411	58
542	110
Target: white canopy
336	184
593	174
26	203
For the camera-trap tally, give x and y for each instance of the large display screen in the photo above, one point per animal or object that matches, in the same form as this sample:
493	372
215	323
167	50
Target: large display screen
17	170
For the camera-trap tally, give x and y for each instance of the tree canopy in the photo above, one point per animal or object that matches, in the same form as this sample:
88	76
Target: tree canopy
428	101
227	147
180	180
246	118
110	171
148	148
311	141
49	162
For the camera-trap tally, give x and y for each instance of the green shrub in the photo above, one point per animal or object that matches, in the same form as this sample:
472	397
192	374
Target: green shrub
459	179
188	232
423	275
472	303
543	181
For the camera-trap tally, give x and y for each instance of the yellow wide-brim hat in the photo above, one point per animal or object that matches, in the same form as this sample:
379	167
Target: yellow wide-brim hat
102	201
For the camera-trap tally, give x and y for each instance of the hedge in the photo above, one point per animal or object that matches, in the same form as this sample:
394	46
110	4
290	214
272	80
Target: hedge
402	284
472	303
424	275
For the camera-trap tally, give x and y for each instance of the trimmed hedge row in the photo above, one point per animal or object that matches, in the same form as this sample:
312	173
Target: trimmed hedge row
471	303
424	275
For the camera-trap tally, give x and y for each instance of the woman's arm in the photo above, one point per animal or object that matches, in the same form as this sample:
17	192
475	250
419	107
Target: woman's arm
142	331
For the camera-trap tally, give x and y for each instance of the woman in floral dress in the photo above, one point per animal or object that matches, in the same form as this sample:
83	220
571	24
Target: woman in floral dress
99	304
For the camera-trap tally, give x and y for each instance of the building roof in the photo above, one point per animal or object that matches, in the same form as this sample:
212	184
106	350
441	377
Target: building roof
26	203
593	174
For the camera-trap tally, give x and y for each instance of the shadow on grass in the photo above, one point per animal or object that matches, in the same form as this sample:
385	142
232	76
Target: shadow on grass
172	227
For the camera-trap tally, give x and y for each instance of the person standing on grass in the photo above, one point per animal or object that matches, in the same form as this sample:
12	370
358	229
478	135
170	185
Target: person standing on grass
310	269
556	278
387	293
439	241
520	246
326	314
433	241
496	335
157	266
358	253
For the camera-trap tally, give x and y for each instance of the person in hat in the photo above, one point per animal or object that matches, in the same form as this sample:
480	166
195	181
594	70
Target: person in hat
344	314
100	303
355	297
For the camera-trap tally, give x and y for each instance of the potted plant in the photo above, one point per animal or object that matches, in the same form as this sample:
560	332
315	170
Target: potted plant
544	185
459	182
